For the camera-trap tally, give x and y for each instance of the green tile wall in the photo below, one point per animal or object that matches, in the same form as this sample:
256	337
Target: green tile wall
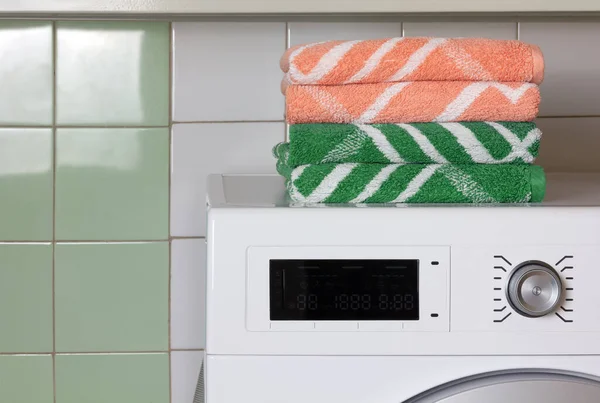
130	378
84	212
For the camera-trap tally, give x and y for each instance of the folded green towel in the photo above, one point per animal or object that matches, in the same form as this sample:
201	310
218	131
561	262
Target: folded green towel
420	143
414	183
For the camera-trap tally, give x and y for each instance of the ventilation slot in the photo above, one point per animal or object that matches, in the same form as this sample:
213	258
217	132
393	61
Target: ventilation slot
199	394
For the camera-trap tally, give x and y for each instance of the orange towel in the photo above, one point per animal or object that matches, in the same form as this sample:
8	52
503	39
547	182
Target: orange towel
406	102
412	59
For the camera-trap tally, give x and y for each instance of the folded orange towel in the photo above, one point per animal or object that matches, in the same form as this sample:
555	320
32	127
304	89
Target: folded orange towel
412	59
406	102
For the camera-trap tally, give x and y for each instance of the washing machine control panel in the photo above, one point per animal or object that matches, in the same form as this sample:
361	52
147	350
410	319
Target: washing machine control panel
348	288
422	288
525	288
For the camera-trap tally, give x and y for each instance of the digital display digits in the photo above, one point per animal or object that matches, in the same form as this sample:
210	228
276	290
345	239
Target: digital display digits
344	289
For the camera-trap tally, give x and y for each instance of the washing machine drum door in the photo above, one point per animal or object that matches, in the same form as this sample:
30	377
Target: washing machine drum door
516	387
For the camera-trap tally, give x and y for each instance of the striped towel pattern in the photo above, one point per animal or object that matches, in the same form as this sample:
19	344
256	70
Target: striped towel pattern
417	143
413	183
408	102
412	59
412	120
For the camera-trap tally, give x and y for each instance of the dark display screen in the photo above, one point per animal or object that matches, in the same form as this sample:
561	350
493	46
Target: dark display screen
344	289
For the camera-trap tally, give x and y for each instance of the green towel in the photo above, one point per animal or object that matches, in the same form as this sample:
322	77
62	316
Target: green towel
414	183
419	143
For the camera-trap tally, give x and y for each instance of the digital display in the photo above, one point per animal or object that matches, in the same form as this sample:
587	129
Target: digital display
344	289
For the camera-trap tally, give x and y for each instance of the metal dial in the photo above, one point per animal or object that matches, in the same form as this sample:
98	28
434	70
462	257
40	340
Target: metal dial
534	289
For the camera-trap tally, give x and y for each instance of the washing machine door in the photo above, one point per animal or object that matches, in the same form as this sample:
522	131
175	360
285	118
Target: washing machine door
531	386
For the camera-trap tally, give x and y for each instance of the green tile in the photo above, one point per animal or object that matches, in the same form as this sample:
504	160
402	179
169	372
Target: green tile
127	378
112	73
112	184
25	298
26	379
111	297
26	184
26	73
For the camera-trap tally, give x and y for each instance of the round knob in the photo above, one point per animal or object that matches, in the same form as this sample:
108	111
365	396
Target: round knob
534	289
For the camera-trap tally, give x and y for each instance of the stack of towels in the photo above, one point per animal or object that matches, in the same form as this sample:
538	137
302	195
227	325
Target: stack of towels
412	120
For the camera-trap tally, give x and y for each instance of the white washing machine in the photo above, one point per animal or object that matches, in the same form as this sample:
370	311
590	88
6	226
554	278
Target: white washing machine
405	304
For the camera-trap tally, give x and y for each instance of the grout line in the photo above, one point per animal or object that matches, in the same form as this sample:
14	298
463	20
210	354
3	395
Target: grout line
18	126
112	241
229	121
287	46
106	353
187	349
98	352
518	31
48	242
58	241
171	34
54	91
402	28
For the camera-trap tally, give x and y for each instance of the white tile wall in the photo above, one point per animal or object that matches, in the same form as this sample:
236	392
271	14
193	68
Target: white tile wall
227	71
307	32
205	148
572	59
185	368
188	275
230	72
494	30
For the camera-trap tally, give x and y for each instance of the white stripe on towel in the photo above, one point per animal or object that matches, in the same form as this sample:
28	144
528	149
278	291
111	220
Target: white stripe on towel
375	183
415	184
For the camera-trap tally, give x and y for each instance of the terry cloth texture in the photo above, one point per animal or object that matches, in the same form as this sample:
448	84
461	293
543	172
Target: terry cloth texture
414	183
416	143
412	59
408	102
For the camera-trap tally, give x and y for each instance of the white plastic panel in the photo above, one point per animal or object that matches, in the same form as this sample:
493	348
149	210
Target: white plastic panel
479	280
294	379
475	235
433	286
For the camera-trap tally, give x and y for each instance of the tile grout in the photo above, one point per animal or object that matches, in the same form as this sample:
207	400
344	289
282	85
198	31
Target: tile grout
287	46
54	139
227	121
59	241
170	159
101	352
193	122
19	126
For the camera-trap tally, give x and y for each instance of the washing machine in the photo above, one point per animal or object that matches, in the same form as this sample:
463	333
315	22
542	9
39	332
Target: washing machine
402	304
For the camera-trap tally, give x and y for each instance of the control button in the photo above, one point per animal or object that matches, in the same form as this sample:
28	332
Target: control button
534	289
290	326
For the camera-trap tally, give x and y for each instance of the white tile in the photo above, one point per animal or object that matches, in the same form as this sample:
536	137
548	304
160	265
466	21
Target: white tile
206	148
188	281
226	71
307	32
570	144
572	75
492	30
185	368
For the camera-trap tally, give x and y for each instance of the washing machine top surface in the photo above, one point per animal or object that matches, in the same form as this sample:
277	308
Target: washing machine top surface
226	191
